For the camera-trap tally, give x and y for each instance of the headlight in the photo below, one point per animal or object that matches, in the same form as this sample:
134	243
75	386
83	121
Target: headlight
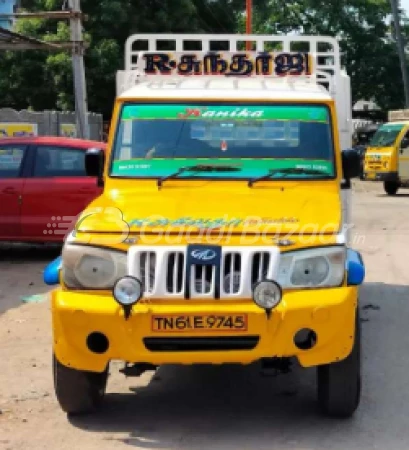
86	267
127	291
321	267
267	294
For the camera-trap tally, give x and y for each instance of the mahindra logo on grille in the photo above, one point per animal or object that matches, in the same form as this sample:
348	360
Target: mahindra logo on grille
204	255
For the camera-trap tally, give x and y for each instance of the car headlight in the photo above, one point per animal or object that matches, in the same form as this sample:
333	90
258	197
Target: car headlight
127	291
86	267
320	267
267	294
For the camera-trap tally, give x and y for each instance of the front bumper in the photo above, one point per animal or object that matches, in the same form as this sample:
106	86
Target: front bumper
330	313
381	176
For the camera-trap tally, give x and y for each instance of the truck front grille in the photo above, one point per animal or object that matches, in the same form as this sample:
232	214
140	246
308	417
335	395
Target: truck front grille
164	272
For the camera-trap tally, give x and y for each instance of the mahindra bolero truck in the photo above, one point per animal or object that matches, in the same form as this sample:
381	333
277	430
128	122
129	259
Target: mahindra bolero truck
387	156
222	233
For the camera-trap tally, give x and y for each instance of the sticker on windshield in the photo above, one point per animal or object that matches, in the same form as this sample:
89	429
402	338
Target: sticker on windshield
246	169
223	112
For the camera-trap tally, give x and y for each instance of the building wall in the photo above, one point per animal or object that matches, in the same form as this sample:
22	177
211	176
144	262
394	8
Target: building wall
8	7
46	123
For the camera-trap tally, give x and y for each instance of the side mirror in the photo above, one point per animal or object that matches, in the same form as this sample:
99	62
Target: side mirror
94	164
351	164
404	143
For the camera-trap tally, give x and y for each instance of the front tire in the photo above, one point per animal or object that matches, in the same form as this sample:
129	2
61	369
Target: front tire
78	392
391	187
339	384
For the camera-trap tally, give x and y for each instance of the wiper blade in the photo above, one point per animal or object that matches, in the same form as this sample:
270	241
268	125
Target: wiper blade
199	168
289	171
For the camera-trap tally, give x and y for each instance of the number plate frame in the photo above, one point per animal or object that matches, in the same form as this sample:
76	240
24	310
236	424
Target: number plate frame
199	323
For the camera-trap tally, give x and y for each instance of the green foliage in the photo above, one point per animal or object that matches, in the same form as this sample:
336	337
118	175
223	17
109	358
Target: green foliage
369	54
43	80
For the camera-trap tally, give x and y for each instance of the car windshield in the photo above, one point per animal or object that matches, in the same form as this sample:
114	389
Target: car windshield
156	140
386	135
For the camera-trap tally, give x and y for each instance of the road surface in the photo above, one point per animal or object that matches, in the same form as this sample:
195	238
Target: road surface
224	408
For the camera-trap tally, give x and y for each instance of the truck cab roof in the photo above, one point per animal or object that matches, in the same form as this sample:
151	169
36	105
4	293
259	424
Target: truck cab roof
227	89
401	122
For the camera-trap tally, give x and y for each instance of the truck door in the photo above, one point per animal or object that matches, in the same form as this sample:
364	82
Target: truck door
11	189
403	158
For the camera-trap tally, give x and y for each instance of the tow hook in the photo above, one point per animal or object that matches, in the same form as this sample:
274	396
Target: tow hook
272	367
136	370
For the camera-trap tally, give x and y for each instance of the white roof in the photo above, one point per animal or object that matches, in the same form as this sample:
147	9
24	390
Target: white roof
404	122
401	115
228	89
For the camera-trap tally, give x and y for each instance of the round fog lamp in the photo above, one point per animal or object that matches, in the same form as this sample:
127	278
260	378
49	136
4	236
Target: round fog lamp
267	294
127	291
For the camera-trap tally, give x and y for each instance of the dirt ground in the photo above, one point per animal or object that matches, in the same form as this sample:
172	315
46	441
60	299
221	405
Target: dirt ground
217	407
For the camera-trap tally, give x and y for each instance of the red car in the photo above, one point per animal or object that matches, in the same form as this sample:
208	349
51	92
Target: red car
43	187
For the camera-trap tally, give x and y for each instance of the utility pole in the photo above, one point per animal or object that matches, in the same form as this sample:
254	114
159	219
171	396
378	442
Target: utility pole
80	87
249	20
401	49
72	12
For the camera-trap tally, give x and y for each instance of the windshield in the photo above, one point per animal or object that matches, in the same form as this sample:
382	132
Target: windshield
155	140
386	135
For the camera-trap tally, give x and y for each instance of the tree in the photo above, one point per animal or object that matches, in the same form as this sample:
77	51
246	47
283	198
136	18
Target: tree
40	80
369	53
43	80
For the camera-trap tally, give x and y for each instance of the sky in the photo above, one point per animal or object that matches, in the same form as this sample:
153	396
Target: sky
405	5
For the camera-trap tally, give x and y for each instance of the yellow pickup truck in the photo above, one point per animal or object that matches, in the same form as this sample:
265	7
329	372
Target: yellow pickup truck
221	235
387	155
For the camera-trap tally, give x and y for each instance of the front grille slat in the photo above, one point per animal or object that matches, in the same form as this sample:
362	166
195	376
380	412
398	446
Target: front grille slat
260	267
174	273
231	273
147	267
203	279
212	270
147	270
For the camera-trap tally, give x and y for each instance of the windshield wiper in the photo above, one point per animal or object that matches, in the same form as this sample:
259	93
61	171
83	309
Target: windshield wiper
289	171
198	168
383	144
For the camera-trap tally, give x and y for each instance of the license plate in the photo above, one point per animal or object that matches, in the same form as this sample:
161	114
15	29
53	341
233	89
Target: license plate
371	176
200	323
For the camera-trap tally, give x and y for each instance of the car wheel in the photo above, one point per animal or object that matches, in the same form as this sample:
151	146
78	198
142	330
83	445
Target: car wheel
339	384
78	392
391	187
